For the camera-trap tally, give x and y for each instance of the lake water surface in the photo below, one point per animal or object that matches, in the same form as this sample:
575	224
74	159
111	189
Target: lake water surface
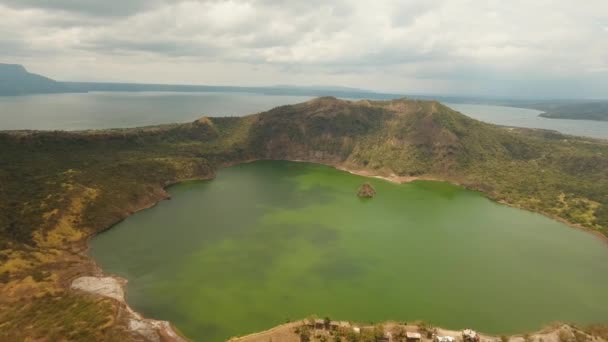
271	241
523	117
101	110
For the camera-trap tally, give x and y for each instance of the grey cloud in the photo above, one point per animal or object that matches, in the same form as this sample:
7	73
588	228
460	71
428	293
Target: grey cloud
112	8
405	13
457	41
170	48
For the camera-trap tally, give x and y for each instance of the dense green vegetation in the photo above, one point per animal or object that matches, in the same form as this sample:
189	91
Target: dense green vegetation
41	171
57	188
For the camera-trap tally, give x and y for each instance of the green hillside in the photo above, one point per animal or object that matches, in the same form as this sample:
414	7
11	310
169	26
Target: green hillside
539	170
58	188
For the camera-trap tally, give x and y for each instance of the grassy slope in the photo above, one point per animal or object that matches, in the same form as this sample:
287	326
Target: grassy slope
57	188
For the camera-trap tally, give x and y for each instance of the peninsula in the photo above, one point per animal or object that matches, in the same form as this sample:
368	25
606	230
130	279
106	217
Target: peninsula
592	110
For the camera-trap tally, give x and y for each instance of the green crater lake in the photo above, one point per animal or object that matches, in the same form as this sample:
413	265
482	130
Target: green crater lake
273	241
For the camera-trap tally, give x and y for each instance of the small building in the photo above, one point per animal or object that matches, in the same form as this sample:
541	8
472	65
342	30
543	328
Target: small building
444	339
413	336
338	325
319	324
356	330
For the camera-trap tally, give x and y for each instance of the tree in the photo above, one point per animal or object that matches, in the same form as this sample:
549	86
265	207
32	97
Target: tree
304	334
327	322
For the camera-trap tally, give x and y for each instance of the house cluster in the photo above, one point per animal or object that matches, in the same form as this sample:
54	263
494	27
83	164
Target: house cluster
468	335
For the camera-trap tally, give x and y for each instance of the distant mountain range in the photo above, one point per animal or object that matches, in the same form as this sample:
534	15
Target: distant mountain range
16	80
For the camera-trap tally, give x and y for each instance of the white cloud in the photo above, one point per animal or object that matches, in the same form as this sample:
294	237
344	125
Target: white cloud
409	46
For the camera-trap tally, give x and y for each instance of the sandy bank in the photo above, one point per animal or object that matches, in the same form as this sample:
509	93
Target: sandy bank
112	287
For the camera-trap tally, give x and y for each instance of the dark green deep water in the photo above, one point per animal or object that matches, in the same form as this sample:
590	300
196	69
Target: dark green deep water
271	241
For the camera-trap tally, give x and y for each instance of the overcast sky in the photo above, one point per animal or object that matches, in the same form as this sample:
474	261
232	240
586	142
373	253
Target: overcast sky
532	48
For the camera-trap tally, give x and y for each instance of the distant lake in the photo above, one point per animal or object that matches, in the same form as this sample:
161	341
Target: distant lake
523	117
99	110
270	241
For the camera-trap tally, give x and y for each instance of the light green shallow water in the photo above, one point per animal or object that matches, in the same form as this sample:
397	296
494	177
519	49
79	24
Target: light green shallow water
271	241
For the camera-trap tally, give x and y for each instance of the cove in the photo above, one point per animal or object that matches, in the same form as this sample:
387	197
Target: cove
272	241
